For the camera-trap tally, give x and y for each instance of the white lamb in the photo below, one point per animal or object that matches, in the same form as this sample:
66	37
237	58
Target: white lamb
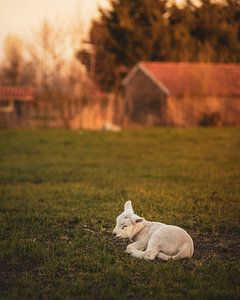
152	239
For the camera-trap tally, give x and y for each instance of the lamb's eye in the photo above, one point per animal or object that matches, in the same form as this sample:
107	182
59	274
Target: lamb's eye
124	226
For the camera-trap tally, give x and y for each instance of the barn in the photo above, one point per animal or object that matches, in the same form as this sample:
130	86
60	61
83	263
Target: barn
182	94
15	105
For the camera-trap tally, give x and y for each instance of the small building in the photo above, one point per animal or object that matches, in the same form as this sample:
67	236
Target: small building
182	94
15	105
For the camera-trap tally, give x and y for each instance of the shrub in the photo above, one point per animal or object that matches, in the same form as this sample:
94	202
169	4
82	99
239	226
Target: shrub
210	119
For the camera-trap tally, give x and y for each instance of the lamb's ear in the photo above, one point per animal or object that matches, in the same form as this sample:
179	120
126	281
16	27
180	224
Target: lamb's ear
128	206
136	219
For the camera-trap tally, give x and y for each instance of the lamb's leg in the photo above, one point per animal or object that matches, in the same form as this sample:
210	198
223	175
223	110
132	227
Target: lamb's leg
147	254
150	253
168	257
137	253
163	256
182	253
135	247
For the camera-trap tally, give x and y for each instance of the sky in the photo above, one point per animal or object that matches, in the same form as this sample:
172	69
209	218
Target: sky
22	17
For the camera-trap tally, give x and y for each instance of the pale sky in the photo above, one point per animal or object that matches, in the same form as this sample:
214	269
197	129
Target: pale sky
22	17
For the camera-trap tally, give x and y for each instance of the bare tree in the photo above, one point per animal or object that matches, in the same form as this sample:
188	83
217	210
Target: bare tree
59	73
17	68
13	61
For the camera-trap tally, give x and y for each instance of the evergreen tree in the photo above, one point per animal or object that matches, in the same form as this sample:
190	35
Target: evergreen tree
135	30
130	32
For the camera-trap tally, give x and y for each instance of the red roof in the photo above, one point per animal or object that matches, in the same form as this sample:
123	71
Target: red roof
16	93
195	78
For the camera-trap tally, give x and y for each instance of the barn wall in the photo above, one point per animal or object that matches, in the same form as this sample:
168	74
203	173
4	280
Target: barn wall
19	117
145	103
7	120
193	111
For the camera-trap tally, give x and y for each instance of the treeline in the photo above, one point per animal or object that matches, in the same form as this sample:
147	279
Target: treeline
48	64
157	30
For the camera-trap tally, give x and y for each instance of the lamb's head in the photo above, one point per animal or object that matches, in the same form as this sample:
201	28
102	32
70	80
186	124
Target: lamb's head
127	222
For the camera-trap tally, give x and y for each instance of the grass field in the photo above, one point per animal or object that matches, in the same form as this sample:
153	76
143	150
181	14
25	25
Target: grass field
60	192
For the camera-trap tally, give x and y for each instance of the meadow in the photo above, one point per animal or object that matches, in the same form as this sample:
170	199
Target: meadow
60	193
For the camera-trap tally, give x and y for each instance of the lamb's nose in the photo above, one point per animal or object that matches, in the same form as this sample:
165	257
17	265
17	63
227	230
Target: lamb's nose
114	232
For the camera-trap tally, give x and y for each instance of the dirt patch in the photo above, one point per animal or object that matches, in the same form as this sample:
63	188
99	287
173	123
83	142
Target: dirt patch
222	245
9	273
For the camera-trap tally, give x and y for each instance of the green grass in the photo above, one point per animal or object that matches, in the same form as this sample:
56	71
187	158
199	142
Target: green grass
60	192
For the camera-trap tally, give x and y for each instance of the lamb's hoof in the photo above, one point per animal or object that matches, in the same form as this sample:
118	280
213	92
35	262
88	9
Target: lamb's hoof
136	255
129	250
